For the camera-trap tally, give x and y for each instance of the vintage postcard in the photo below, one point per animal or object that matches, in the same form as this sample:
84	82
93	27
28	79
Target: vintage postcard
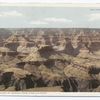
50	49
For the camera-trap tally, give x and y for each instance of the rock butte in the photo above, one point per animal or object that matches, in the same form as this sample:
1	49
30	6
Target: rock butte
66	60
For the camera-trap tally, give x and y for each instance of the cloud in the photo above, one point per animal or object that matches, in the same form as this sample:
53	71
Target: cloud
48	21
11	14
94	17
38	22
60	20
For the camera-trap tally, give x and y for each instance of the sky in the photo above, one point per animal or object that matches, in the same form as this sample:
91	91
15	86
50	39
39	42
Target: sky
49	17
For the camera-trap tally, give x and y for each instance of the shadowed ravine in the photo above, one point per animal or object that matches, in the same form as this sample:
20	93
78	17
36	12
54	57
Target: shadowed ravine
52	60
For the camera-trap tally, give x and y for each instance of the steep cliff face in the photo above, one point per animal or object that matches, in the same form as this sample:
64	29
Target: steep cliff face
14	41
69	49
92	42
95	46
83	52
51	58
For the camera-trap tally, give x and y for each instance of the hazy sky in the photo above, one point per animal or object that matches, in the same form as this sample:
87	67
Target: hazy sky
49	17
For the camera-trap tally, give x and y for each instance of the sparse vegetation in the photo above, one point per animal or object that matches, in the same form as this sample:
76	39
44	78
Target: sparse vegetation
49	60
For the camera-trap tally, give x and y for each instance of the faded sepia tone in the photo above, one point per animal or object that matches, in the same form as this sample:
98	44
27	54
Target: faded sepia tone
49	48
50	59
